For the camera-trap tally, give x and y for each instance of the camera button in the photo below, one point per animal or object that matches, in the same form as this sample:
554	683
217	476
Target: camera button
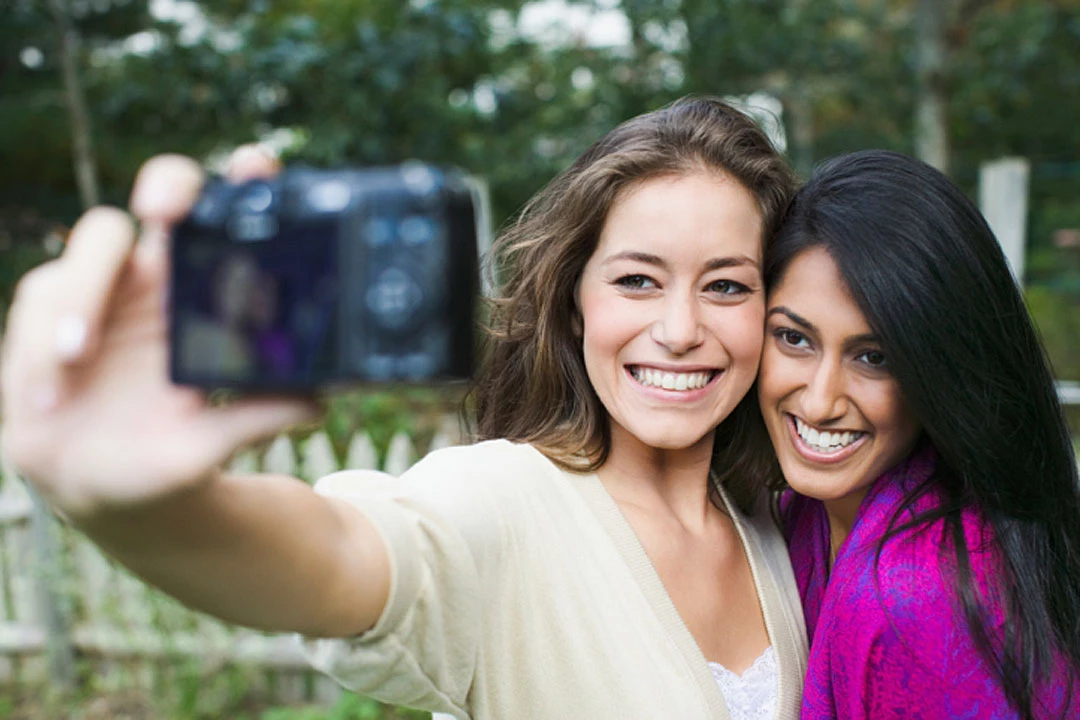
379	231
378	367
417	230
256	198
417	365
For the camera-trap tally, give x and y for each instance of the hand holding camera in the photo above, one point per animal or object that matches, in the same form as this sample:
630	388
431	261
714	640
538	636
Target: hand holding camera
89	412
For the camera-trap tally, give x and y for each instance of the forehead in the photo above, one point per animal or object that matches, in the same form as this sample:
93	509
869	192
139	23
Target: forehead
813	288
694	216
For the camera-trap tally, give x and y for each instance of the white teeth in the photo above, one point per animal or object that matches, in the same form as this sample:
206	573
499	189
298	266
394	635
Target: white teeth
671	381
824	441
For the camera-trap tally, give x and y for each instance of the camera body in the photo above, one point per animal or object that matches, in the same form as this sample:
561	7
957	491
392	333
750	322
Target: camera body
318	278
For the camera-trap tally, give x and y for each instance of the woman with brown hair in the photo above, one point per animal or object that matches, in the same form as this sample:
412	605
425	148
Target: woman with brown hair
588	558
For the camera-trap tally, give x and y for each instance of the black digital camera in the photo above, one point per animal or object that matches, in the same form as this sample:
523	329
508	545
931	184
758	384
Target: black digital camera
318	278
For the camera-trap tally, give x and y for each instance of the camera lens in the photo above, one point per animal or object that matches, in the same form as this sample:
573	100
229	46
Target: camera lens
392	298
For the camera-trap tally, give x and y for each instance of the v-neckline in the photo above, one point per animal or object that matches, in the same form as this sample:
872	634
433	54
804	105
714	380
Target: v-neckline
652	587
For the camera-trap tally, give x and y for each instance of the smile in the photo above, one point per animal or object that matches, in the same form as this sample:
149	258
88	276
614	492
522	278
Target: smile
666	380
823	445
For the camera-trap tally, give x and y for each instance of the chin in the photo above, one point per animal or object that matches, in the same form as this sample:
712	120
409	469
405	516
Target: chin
822	487
671	441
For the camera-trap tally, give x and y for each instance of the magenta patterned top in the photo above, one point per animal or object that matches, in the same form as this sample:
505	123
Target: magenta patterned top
892	644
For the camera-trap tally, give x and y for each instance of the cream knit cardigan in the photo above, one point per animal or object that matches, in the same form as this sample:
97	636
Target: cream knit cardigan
520	591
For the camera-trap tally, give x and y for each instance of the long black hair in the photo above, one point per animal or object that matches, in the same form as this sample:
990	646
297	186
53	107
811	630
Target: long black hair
930	278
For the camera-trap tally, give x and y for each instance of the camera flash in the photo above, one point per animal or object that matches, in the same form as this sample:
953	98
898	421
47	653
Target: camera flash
330	196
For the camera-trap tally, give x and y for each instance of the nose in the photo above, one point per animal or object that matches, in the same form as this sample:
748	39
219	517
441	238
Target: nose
679	326
824	397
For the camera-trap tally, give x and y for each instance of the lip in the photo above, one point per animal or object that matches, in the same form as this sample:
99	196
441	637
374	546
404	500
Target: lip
669	395
815	456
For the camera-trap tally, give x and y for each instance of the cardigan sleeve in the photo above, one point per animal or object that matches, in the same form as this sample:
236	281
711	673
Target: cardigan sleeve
442	531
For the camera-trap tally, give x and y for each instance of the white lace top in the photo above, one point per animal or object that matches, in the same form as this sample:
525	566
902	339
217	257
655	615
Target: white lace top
752	695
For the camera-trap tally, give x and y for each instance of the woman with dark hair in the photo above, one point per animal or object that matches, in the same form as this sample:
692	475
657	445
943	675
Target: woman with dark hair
934	526
583	561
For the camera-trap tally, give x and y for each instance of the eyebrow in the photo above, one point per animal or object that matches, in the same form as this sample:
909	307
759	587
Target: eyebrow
713	263
799	320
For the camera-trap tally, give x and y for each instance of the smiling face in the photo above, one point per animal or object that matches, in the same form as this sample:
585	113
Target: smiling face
672	308
835	414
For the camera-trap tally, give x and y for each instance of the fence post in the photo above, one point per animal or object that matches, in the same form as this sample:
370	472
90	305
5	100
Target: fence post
1003	200
59	648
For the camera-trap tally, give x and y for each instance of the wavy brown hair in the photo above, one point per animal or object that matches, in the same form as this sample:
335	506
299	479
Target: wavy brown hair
532	386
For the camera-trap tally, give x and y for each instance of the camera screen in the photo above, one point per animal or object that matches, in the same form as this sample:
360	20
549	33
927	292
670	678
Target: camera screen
258	314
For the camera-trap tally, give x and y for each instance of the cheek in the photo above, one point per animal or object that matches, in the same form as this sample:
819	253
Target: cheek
742	332
606	325
766	374
886	410
600	320
777	377
899	420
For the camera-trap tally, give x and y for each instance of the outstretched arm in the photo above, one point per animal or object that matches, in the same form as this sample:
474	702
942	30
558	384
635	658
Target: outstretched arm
92	420
259	550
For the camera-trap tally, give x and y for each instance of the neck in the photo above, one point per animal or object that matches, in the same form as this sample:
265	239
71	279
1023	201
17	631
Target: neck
841	512
654	478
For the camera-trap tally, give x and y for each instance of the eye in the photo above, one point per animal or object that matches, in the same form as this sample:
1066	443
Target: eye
874	359
791	338
727	287
635	282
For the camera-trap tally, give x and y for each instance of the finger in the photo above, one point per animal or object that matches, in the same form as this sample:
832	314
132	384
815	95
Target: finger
97	253
248	421
166	189
28	371
250	162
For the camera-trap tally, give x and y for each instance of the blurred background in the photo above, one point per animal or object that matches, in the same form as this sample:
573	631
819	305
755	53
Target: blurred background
511	91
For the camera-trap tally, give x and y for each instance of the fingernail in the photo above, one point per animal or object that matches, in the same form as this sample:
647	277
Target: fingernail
250	160
258	150
152	195
70	337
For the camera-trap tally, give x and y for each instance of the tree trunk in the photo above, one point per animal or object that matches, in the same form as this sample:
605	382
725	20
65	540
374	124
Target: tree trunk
931	104
81	133
801	140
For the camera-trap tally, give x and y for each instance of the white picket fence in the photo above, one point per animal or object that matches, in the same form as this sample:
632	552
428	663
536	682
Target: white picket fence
61	599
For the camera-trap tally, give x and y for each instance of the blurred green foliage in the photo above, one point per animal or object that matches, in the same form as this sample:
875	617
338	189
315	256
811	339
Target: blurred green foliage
378	81
350	707
456	82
